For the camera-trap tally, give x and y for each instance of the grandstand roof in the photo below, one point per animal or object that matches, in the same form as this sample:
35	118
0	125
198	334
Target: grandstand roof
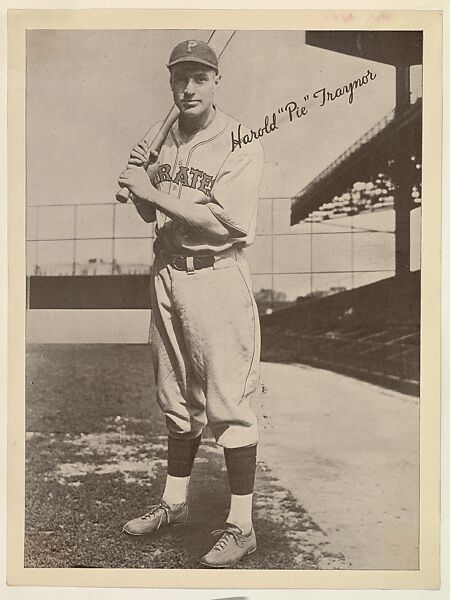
364	158
389	47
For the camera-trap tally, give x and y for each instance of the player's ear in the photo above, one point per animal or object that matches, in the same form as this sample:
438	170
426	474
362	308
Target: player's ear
171	78
217	78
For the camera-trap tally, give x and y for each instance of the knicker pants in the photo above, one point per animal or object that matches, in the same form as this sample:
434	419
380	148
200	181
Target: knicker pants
205	340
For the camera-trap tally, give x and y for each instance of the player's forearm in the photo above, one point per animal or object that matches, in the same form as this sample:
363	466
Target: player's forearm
194	215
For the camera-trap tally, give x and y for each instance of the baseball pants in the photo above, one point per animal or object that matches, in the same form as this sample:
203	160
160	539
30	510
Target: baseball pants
205	340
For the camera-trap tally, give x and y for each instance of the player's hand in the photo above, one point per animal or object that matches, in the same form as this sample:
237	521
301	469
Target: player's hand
152	166
137	181
139	155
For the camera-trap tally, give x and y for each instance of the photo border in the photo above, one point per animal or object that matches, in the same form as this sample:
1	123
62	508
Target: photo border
427	576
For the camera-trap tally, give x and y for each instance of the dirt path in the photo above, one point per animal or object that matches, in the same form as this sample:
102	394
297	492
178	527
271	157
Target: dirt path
348	452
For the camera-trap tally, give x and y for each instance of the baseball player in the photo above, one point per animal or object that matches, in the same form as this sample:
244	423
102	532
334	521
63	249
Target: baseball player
205	339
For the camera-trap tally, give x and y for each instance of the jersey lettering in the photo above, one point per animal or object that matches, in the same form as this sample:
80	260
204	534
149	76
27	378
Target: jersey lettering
192	178
182	176
205	185
196	174
164	173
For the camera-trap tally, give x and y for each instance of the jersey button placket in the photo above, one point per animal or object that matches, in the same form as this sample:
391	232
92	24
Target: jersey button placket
181	157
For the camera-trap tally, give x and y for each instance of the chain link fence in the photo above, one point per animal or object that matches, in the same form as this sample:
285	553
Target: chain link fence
287	262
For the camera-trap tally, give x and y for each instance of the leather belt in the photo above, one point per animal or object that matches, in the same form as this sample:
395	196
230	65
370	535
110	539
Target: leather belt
190	263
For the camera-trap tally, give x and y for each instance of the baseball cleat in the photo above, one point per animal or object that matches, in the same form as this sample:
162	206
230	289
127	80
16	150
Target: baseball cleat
158	516
230	548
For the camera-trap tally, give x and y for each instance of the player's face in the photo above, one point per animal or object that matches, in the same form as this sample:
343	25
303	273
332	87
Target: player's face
193	87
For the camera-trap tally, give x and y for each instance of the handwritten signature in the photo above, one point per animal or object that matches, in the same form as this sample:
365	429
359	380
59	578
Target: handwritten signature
295	111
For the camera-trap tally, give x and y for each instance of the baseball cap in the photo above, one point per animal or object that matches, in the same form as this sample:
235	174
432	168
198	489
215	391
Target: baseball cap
193	51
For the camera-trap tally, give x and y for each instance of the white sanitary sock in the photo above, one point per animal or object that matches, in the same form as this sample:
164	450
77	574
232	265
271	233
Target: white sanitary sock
241	512
176	490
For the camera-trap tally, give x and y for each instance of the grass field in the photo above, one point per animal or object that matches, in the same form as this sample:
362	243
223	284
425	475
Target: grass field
95	458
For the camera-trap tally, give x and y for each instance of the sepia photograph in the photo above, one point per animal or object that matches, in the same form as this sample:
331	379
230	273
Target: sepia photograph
224	316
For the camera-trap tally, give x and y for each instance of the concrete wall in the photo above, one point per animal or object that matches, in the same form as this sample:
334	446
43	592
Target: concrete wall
89	292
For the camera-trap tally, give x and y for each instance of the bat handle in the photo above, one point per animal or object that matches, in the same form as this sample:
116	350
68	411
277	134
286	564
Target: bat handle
123	195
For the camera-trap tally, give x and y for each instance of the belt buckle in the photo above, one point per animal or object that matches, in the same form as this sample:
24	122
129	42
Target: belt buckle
179	263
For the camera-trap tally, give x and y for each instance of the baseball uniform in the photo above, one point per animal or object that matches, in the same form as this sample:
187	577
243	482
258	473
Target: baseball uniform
205	335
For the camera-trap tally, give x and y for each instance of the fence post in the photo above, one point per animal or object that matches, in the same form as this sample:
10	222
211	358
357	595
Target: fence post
271	252
113	260
74	260
311	258
36	266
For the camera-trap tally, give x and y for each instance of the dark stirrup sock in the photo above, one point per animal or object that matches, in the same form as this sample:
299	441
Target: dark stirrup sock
241	468
180	456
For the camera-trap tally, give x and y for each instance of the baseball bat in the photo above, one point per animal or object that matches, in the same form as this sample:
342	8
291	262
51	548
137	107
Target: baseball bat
155	146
